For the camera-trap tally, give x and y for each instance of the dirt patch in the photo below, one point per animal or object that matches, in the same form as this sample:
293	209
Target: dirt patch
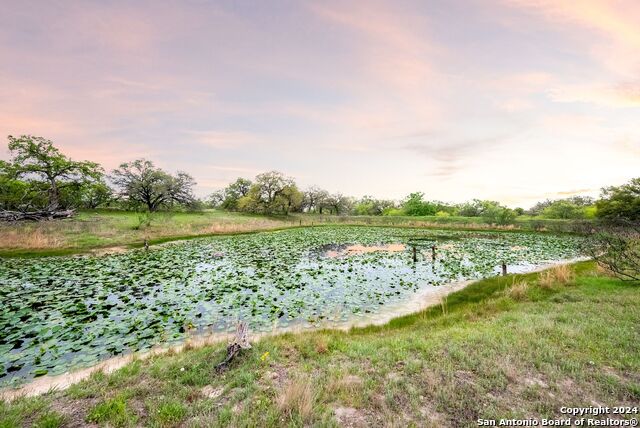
75	411
534	381
211	391
350	417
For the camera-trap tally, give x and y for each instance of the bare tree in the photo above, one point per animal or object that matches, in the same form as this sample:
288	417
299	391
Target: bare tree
616	246
140	182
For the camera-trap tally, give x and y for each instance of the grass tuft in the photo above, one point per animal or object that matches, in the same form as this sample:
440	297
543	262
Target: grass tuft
114	412
169	414
50	419
297	398
518	290
560	275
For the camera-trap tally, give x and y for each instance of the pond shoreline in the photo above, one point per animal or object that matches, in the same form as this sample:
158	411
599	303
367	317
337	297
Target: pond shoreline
421	300
99	250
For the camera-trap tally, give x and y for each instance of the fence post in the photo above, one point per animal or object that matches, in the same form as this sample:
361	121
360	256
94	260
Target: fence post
433	253
504	268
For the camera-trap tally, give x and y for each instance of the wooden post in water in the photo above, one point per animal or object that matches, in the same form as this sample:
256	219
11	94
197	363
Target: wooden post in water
433	253
415	256
300	222
504	268
146	245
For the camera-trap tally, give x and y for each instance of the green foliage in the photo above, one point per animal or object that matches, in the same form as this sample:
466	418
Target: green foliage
114	412
416	205
169	413
391	211
494	213
233	193
50	419
563	209
575	207
39	176
371	206
620	202
474	208
271	193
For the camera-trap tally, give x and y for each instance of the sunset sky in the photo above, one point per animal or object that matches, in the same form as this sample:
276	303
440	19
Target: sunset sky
510	100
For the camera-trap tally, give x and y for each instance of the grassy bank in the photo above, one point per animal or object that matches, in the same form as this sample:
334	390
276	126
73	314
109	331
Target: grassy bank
516	346
108	228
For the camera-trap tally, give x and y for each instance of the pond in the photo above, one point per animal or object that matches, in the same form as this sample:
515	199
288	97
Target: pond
60	313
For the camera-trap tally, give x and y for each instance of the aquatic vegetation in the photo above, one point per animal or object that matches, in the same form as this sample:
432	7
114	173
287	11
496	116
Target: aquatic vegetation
59	313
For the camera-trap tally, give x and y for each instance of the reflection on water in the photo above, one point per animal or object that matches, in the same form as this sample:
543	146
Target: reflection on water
355	249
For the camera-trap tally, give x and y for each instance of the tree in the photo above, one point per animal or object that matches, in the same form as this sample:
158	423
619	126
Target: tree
40	165
415	204
141	183
234	191
267	194
368	205
494	213
473	208
620	202
314	199
338	204
216	199
615	244
291	199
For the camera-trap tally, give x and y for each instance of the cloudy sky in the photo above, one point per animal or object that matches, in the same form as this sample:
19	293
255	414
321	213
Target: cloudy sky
512	100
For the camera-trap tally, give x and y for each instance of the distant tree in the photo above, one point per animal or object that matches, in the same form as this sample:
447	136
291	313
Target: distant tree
574	207
473	208
42	168
338	204
519	211
291	199
563	209
141	183
620	202
234	191
271	193
494	213
314	199
368	205
415	204
216	199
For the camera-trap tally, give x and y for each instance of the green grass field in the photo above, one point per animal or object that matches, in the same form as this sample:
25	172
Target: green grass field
506	347
92	230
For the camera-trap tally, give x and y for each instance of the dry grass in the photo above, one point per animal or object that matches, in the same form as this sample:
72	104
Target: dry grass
321	345
518	290
241	227
443	303
34	238
349	384
558	275
297	398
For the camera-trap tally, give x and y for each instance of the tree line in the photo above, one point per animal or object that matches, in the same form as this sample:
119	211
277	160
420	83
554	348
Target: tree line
38	176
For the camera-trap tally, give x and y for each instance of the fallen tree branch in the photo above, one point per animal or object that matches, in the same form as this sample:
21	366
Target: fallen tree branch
34	215
240	342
